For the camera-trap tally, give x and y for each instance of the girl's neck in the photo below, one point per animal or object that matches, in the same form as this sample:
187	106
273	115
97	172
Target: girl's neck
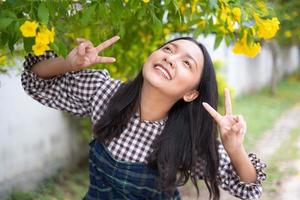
153	105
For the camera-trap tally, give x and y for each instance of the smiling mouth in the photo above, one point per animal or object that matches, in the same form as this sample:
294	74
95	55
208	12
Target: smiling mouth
164	71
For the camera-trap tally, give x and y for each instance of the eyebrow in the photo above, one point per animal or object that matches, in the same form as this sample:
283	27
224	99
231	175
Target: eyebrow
187	55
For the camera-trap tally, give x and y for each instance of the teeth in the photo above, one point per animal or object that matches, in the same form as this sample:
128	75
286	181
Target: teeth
163	71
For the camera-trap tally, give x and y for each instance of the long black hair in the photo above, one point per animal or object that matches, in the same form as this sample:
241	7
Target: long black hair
189	134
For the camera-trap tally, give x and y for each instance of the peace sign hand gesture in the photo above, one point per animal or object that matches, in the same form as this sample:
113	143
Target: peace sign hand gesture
85	54
232	128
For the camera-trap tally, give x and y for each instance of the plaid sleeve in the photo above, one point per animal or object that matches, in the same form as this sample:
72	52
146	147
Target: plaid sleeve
228	178
73	92
230	181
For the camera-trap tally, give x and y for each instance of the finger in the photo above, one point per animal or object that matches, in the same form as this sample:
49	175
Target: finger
240	124
228	109
235	118
107	43
105	59
212	112
82	48
241	118
242	131
80	40
237	127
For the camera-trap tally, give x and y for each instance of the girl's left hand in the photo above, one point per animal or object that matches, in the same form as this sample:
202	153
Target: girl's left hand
232	127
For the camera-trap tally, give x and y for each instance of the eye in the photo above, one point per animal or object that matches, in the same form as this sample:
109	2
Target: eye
187	63
168	49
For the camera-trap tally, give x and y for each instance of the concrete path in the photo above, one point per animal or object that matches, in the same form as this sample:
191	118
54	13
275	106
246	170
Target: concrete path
290	189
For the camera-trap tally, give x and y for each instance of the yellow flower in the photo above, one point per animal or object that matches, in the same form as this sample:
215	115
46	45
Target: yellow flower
288	34
28	28
182	7
126	1
253	49
223	29
42	38
236	13
183	27
146	1
201	24
230	24
2	59
241	47
224	12
267	28
166	31
194	6
47	32
40	48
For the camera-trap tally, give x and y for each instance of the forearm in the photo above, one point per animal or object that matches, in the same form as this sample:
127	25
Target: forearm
243	165
51	67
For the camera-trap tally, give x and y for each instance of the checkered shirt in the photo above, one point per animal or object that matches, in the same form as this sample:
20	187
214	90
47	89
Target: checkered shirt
87	93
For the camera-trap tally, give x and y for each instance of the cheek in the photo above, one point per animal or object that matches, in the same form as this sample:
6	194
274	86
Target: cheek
185	80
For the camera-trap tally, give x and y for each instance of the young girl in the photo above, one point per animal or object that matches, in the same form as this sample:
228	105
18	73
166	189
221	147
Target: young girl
154	133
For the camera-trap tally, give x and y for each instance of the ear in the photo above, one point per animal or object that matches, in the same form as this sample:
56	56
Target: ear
190	96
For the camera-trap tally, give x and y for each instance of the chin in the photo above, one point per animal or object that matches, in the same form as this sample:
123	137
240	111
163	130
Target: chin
158	84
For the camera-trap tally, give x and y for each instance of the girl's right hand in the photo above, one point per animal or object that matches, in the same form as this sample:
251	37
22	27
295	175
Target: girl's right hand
85	54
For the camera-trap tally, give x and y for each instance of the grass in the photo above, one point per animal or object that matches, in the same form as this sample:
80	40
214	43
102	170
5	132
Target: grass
260	111
65	185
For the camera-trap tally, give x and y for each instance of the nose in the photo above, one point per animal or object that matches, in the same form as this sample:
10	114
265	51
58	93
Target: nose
169	60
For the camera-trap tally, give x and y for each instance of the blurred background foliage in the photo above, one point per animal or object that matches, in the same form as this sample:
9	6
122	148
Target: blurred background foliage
143	25
288	14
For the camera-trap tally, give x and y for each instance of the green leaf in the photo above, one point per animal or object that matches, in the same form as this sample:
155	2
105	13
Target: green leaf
54	47
5	22
218	41
122	31
157	23
52	7
249	39
43	13
167	2
3	39
62	48
28	43
8	13
197	32
11	41
14	34
87	15
227	40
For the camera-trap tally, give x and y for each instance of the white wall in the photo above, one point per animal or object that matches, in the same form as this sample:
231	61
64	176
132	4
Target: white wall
246	74
35	140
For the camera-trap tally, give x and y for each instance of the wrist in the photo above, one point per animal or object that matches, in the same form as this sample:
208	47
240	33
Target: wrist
237	153
68	65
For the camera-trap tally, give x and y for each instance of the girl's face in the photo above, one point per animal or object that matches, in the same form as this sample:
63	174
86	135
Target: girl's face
175	69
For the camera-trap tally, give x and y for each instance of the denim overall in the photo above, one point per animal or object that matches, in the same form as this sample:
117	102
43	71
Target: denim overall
111	179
